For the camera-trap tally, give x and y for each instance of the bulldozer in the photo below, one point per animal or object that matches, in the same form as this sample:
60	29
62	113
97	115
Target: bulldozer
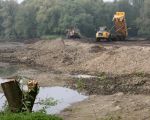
120	29
73	33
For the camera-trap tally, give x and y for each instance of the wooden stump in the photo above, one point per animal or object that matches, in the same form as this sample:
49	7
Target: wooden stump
20	101
13	95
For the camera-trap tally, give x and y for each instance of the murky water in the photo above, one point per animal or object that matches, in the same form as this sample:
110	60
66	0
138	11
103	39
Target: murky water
64	97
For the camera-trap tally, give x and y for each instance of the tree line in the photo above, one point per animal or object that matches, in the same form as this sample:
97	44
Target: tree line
36	18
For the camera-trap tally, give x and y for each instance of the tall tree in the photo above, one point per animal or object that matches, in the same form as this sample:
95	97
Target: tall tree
143	22
8	13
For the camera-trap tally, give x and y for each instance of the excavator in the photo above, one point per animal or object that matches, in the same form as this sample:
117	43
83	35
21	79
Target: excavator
121	31
73	33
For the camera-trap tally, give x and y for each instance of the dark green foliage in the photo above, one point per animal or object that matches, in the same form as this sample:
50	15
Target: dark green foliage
143	22
37	18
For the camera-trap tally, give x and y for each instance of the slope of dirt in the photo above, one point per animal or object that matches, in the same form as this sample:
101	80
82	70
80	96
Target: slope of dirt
57	55
124	59
74	56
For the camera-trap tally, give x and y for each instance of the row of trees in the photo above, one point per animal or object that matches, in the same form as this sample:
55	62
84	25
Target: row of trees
35	18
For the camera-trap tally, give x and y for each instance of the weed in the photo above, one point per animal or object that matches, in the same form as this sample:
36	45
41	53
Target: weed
80	84
140	74
46	103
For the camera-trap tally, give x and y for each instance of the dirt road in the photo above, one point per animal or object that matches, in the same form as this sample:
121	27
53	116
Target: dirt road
121	89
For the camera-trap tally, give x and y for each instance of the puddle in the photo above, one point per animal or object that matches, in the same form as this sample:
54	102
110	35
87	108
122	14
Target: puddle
64	97
2	101
84	76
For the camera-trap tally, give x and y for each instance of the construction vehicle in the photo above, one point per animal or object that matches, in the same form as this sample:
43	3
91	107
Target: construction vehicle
73	33
102	34
120	31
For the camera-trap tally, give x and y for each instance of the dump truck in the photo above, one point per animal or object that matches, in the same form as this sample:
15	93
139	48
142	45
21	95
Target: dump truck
73	33
120	29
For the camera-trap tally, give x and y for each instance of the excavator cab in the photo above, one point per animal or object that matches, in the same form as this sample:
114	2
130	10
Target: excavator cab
102	34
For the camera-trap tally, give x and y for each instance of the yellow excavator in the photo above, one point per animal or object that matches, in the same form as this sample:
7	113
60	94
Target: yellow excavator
121	31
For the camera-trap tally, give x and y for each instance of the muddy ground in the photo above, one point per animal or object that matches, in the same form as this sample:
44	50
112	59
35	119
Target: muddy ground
120	89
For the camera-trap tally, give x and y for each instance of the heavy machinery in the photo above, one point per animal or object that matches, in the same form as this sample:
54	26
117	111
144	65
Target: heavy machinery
102	34
73	33
120	31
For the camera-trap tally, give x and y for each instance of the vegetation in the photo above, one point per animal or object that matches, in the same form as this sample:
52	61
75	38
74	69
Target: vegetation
27	116
112	118
37	18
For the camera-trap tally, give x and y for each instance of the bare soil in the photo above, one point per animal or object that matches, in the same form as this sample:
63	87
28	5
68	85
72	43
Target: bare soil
110	107
71	56
105	84
121	89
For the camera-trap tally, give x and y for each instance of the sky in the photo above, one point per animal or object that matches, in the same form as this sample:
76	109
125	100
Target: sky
22	0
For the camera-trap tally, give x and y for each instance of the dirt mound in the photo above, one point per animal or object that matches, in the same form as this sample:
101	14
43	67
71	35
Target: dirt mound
73	56
125	59
110	84
60	54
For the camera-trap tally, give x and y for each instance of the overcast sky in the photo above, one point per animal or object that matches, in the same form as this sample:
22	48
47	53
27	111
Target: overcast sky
22	0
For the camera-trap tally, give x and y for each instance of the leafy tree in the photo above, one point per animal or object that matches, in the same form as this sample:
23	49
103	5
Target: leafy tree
26	26
143	22
8	12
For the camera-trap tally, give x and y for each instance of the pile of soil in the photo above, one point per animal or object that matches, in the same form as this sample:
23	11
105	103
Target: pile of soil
71	56
59	55
122	59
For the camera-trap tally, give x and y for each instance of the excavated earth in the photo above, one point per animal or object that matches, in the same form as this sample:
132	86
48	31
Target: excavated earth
120	87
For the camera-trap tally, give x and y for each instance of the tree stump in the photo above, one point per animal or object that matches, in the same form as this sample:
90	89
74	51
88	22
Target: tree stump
18	100
13	95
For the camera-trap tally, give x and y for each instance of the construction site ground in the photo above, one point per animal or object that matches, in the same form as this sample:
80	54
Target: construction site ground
119	85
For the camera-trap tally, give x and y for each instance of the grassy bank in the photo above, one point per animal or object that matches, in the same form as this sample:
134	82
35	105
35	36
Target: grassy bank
27	116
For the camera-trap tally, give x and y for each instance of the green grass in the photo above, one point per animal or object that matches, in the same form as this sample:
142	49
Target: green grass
27	116
51	37
80	84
